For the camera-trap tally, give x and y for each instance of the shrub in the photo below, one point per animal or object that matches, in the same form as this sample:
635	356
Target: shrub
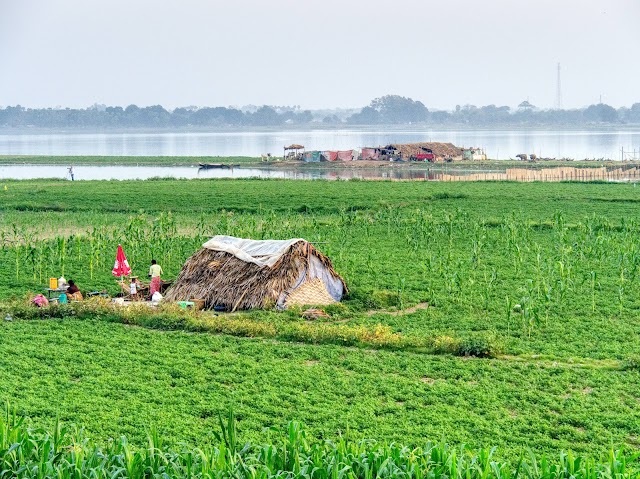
481	345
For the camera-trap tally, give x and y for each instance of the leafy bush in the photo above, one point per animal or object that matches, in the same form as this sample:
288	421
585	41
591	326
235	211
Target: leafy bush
481	345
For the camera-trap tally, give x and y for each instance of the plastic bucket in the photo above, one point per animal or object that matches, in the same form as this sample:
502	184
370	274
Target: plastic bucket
53	283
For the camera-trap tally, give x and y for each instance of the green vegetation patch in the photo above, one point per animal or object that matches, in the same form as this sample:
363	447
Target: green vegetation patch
115	379
66	453
544	278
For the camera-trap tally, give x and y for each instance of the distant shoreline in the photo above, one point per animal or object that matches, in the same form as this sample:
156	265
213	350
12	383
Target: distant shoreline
319	127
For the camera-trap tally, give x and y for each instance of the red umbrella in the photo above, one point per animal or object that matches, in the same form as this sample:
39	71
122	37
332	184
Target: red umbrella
121	267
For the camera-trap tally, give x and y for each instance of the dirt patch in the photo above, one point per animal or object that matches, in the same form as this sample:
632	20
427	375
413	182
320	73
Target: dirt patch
427	380
311	362
400	312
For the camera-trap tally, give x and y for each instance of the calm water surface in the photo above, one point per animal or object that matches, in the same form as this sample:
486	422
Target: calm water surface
501	144
91	172
622	173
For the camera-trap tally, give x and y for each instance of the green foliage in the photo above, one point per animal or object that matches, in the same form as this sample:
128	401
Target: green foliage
66	453
481	345
632	363
170	317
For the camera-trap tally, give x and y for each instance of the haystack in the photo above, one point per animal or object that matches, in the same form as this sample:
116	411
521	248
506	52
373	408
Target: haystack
440	150
235	273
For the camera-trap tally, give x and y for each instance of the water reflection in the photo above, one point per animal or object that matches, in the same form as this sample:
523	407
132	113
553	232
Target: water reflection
623	173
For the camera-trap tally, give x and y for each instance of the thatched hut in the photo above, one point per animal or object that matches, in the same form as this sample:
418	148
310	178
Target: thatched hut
235	273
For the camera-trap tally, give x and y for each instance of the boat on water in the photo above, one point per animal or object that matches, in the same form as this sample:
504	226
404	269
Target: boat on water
207	166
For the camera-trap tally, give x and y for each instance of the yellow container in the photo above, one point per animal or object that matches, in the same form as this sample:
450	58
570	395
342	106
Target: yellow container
53	283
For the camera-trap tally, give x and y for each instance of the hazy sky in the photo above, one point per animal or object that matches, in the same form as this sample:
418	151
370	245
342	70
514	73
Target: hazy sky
317	53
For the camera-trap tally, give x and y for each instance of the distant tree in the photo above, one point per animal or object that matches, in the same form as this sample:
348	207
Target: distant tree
491	114
633	115
399	109
331	120
367	116
304	117
266	116
154	116
525	105
440	117
181	116
601	113
12	116
218	116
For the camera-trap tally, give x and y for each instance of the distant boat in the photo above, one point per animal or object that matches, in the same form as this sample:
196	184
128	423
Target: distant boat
207	166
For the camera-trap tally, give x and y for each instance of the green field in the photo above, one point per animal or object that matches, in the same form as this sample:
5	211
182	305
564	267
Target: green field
546	274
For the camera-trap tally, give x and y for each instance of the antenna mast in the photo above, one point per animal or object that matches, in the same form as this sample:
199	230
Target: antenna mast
558	91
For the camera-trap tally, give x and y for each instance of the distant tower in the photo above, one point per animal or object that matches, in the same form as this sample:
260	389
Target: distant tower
558	91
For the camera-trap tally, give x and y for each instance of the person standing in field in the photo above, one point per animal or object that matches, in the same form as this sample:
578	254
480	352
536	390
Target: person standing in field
154	272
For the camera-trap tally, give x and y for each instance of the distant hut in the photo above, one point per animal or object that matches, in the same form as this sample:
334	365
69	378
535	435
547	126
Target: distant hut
234	273
474	154
293	152
312	156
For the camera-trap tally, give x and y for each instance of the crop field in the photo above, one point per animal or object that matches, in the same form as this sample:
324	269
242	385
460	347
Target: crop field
542	277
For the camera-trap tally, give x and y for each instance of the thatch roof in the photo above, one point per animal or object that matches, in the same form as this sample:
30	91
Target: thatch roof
444	150
221	279
294	147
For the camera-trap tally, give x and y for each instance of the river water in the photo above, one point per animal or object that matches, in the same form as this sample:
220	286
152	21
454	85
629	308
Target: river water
500	144
623	173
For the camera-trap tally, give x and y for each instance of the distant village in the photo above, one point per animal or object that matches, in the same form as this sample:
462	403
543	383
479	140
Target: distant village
397	152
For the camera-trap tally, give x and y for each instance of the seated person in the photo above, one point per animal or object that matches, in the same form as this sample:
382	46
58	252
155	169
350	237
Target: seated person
73	292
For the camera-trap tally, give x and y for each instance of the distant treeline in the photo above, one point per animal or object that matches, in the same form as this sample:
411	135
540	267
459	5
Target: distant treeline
387	110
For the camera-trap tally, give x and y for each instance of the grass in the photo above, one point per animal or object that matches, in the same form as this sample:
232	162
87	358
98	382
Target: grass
550	271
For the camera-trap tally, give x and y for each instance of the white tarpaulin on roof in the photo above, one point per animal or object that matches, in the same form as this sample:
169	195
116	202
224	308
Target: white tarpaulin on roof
259	252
